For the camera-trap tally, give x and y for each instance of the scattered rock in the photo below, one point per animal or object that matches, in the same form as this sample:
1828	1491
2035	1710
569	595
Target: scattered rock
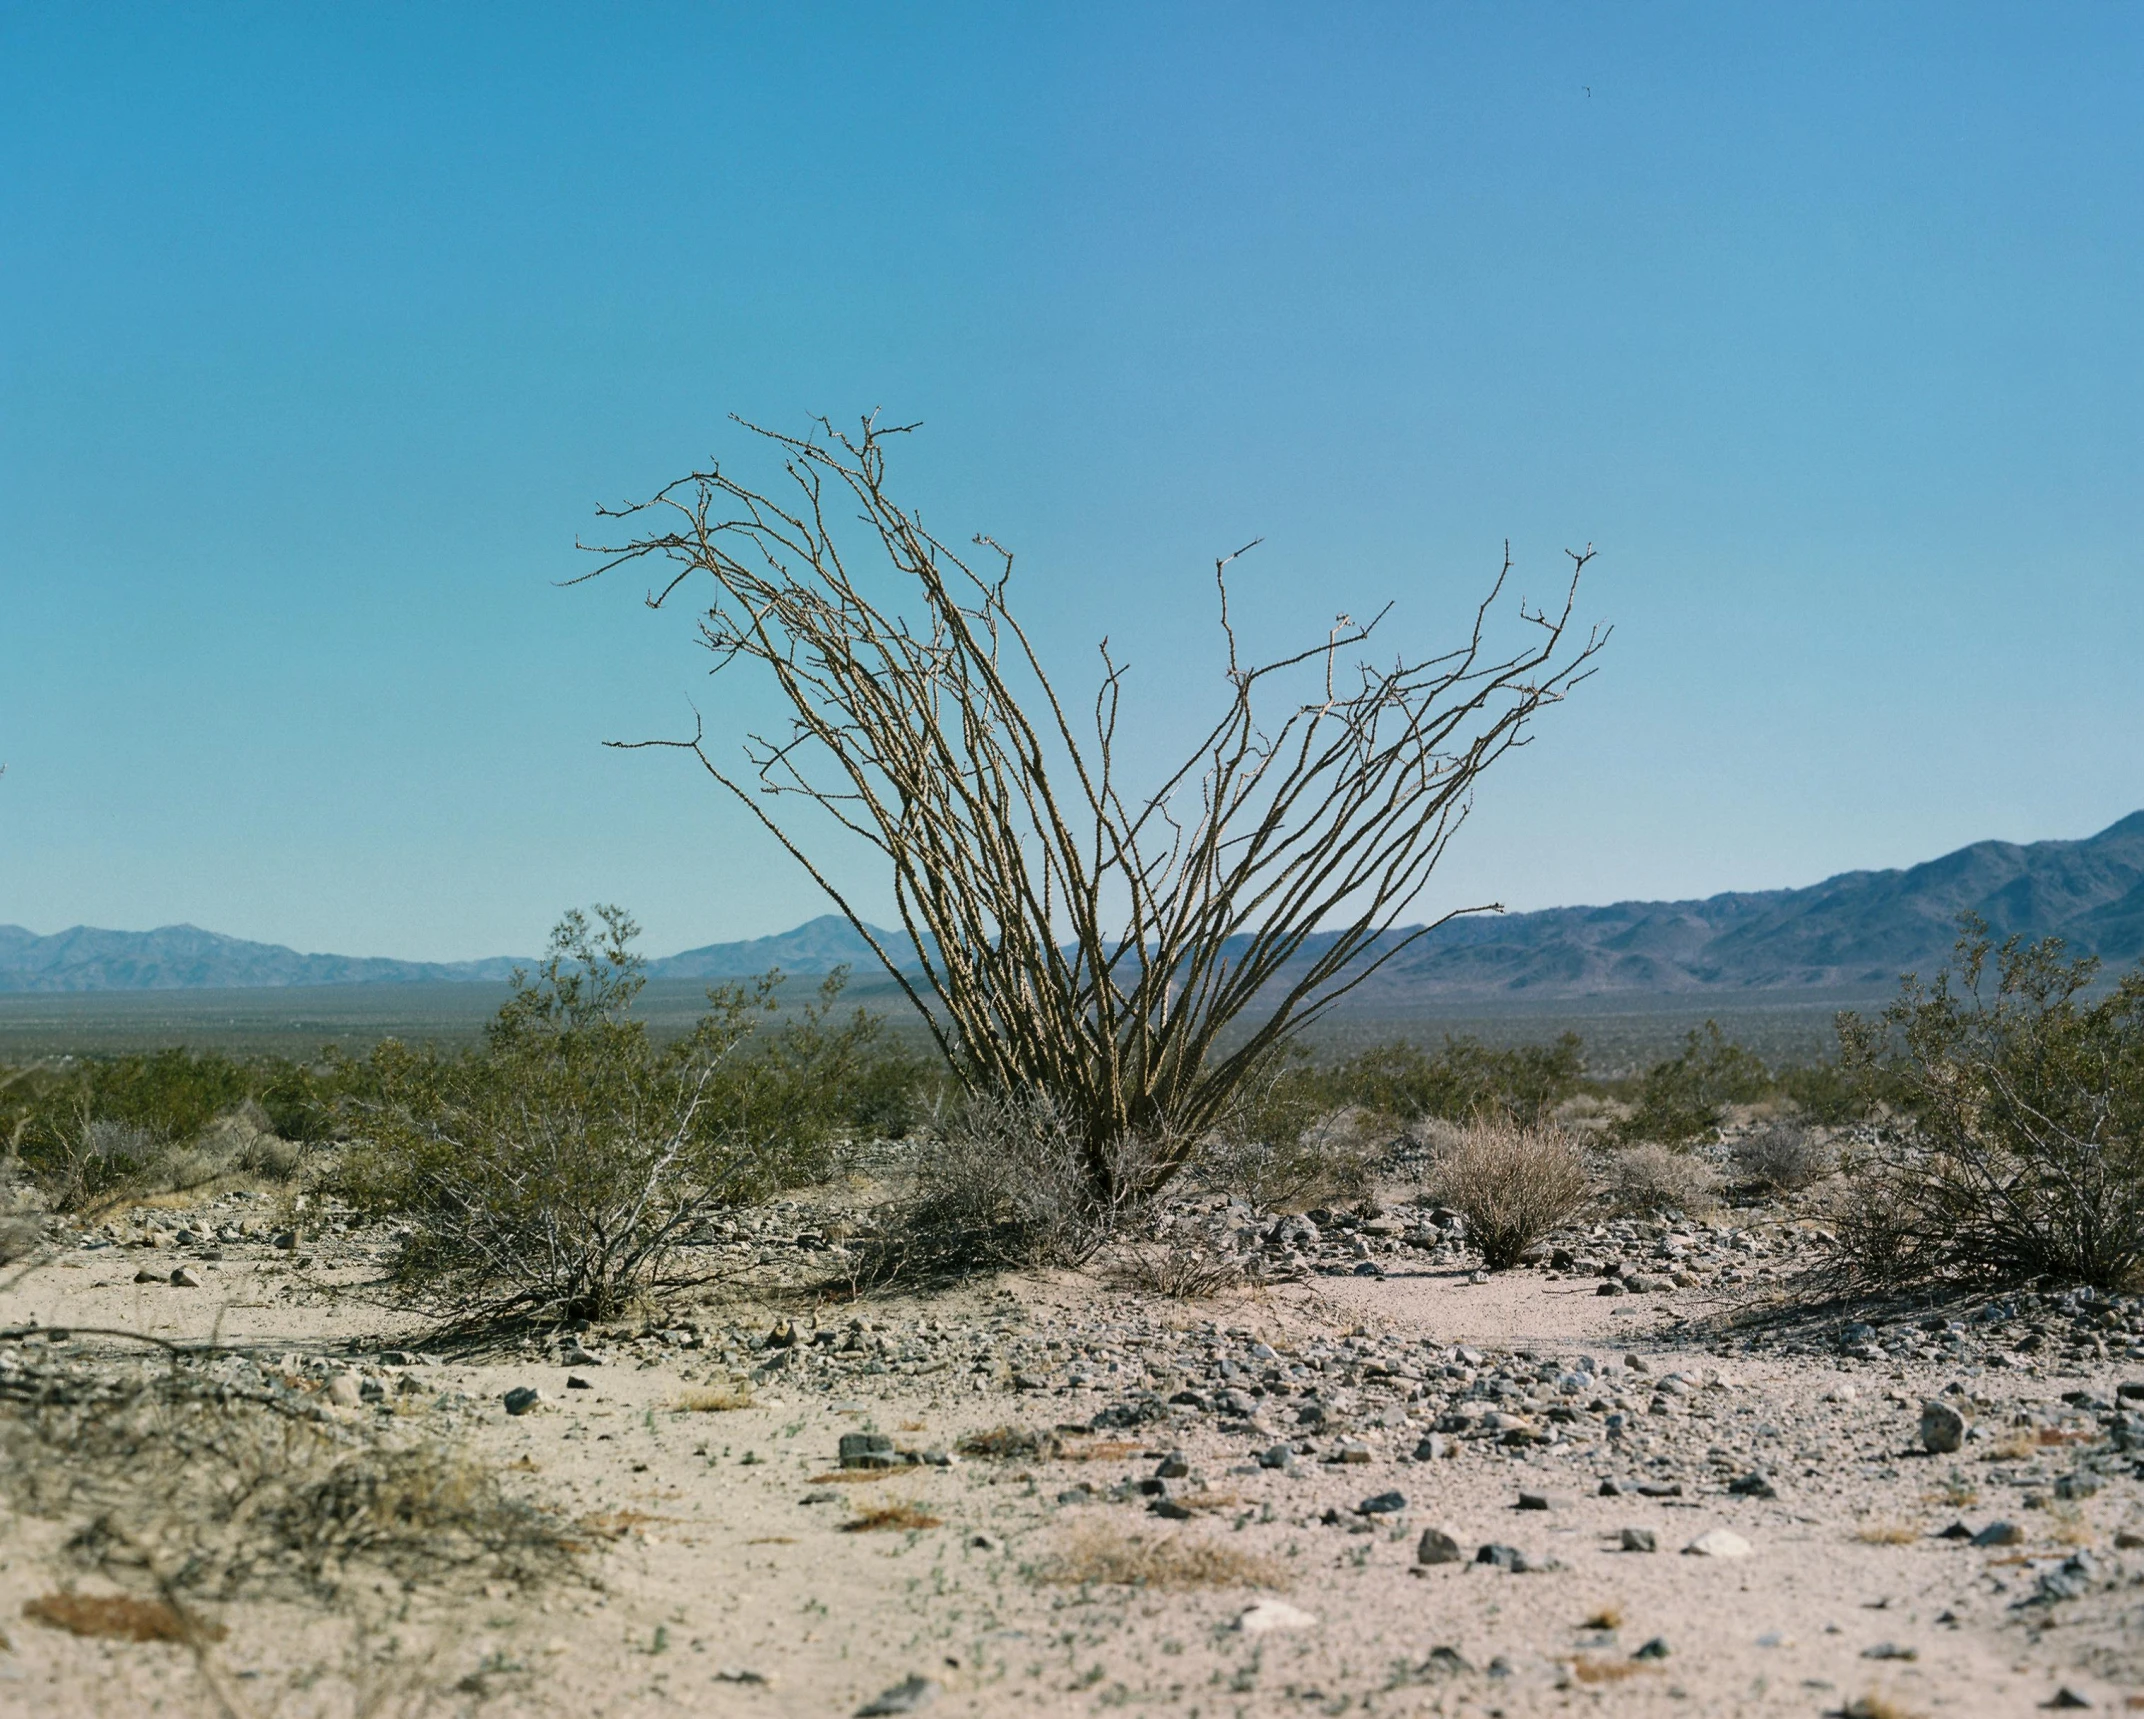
1718	1543
1752	1486
345	1390
1657	1648
1942	1428
522	1398
868	1450
2000	1534
1640	1540
186	1278
1536	1501
1890	1650
1382	1504
1437	1547
1174	1466
1269	1615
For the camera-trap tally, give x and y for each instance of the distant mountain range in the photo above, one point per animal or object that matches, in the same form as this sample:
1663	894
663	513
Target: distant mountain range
1854	932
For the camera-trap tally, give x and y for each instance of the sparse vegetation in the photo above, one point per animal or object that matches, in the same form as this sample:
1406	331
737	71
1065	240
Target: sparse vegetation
1512	1183
2020	1151
1109	1557
1782	1154
1684	1098
1081	941
1645	1180
556	1172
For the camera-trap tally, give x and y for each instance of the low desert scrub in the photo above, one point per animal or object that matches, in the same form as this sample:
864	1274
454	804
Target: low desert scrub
555	1173
1647	1179
2014	1445
1782	1154
715	1399
2020	1153
1006	1183
891	1518
225	1483
1177	1271
1006	1443
1512	1183
1888	1534
1290	1141
1109	1557
1608	1617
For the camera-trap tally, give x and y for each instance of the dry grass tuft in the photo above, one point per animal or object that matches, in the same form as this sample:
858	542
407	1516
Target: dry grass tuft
1588	1670
2071	1528
1175	1273
855	1476
715	1399
889	1518
1102	1450
1110	1557
1878	1706
1608	1617
1006	1443
1512	1184
118	1617
2014	1446
1888	1534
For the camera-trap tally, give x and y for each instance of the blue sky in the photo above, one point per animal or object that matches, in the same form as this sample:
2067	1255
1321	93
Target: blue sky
323	330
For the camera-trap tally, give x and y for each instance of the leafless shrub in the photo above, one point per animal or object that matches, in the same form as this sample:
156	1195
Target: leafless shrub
1512	1184
1005	1183
227	1483
1077	935
1281	1158
1782	1154
1649	1179
1110	1557
1176	1271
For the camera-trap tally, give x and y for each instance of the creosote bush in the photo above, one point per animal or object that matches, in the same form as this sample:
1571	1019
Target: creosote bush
2020	1151
1513	1183
1684	1098
1459	1080
556	1172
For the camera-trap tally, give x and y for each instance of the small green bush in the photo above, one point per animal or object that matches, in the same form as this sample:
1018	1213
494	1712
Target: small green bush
1459	1080
1683	1099
2020	1152
556	1171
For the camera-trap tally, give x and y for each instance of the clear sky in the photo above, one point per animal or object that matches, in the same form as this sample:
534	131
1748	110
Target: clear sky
323	330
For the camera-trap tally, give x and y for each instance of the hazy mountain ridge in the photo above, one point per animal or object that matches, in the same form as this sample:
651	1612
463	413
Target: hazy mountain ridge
1858	930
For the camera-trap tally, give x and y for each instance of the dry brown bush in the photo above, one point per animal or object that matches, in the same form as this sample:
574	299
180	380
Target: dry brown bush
1005	1443
1512	1184
117	1617
1649	1179
716	1399
890	1518
1782	1154
1178	1271
242	1486
1110	1557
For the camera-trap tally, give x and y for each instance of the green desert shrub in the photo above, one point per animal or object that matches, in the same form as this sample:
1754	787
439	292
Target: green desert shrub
557	1170
1459	1080
1684	1098
2018	1151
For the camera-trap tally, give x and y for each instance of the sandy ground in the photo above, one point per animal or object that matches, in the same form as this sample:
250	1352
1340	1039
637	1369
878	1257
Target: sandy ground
717	1588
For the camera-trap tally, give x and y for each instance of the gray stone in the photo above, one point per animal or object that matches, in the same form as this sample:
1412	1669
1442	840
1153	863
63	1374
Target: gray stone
1501	1557
344	1390
867	1450
1640	1540
522	1398
1657	1648
1536	1501
1382	1504
186	1278
1437	1547
2000	1534
1174	1466
1942	1428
